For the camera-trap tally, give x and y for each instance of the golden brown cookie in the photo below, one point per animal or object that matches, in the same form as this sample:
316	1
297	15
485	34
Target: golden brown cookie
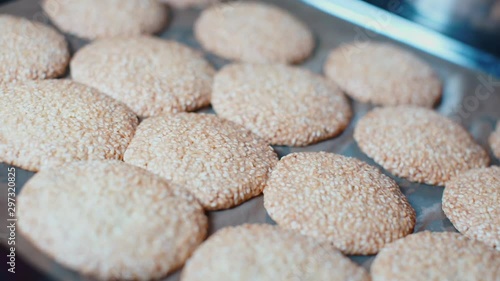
495	141
51	122
338	199
471	202
383	74
92	19
283	104
221	163
418	144
152	76
268	253
110	220
436	256
30	50
253	32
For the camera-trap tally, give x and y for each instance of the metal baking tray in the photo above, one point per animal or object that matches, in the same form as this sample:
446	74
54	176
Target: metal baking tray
470	97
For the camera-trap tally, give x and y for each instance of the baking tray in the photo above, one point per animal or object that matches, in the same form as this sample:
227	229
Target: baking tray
470	97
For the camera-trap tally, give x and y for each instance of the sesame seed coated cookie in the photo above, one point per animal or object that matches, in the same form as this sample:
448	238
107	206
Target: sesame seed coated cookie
183	4
51	122
418	144
283	104
495	141
436	256
111	220
268	253
471	202
30	50
338	199
383	74
92	19
253	32
150	75
221	163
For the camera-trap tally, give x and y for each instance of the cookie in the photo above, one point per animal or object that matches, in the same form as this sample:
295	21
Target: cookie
383	74
221	163
418	144
150	75
495	141
471	202
338	199
92	19
111	220
268	253
51	122
30	50
183	4
253	32
436	256
284	105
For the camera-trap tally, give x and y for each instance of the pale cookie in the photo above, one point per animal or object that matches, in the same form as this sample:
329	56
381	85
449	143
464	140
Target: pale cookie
50	122
30	50
268	253
436	256
383	74
338	199
111	220
472	203
284	105
495	141
221	163
183	4
253	32
92	19
418	144
152	76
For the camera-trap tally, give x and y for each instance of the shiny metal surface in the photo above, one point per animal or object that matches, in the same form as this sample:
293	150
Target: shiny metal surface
408	22
470	97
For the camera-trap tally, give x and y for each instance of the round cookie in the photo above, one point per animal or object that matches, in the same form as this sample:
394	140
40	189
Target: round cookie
338	199
152	76
436	256
418	144
383	74
92	19
253	32
268	253
51	122
221	163
284	105
111	220
30	50
495	141
183	4
471	202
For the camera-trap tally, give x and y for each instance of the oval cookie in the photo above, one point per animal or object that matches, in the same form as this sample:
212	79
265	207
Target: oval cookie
253	32
383	74
92	19
495	141
150	75
338	199
111	220
221	163
418	144
50	122
284	105
30	50
472	203
436	256
268	253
